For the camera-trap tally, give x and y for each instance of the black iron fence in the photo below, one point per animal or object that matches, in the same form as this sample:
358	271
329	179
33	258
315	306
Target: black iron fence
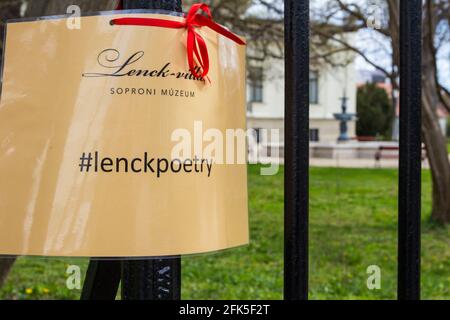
297	148
161	279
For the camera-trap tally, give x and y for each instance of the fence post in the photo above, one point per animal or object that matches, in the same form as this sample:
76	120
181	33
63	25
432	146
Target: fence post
410	150
296	183
152	279
102	280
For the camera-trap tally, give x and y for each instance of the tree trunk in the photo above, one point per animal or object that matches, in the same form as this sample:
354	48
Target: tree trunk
5	266
56	7
437	155
433	136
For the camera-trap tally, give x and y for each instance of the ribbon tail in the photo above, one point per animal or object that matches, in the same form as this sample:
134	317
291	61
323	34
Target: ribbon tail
201	46
219	29
197	50
190	52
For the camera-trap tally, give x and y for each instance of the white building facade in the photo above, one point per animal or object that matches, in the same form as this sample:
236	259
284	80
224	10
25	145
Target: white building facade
327	86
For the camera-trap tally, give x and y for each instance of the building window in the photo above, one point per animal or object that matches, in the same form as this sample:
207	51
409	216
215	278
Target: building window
256	84
313	87
258	135
314	135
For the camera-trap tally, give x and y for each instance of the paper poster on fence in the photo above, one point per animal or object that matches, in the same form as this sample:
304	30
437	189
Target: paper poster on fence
108	141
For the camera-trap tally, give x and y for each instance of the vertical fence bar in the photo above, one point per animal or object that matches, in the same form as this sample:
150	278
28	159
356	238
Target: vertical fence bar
410	150
296	181
158	279
151	279
102	280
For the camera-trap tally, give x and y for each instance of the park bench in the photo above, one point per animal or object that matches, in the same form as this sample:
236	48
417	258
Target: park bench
392	152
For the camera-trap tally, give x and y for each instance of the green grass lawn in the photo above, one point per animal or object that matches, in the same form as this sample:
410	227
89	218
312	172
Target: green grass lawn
353	224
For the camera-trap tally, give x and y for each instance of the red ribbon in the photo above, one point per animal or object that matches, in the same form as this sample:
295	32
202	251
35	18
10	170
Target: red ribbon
196	45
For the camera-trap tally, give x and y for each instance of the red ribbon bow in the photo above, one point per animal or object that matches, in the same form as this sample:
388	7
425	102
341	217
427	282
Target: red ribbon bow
196	45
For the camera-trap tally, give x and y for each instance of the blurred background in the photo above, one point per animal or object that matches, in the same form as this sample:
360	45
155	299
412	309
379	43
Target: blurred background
354	131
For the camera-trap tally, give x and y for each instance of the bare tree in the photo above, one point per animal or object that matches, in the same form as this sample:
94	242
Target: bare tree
343	16
54	7
8	10
330	23
263	30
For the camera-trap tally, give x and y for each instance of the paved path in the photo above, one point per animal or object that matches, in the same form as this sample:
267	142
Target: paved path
359	163
354	163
